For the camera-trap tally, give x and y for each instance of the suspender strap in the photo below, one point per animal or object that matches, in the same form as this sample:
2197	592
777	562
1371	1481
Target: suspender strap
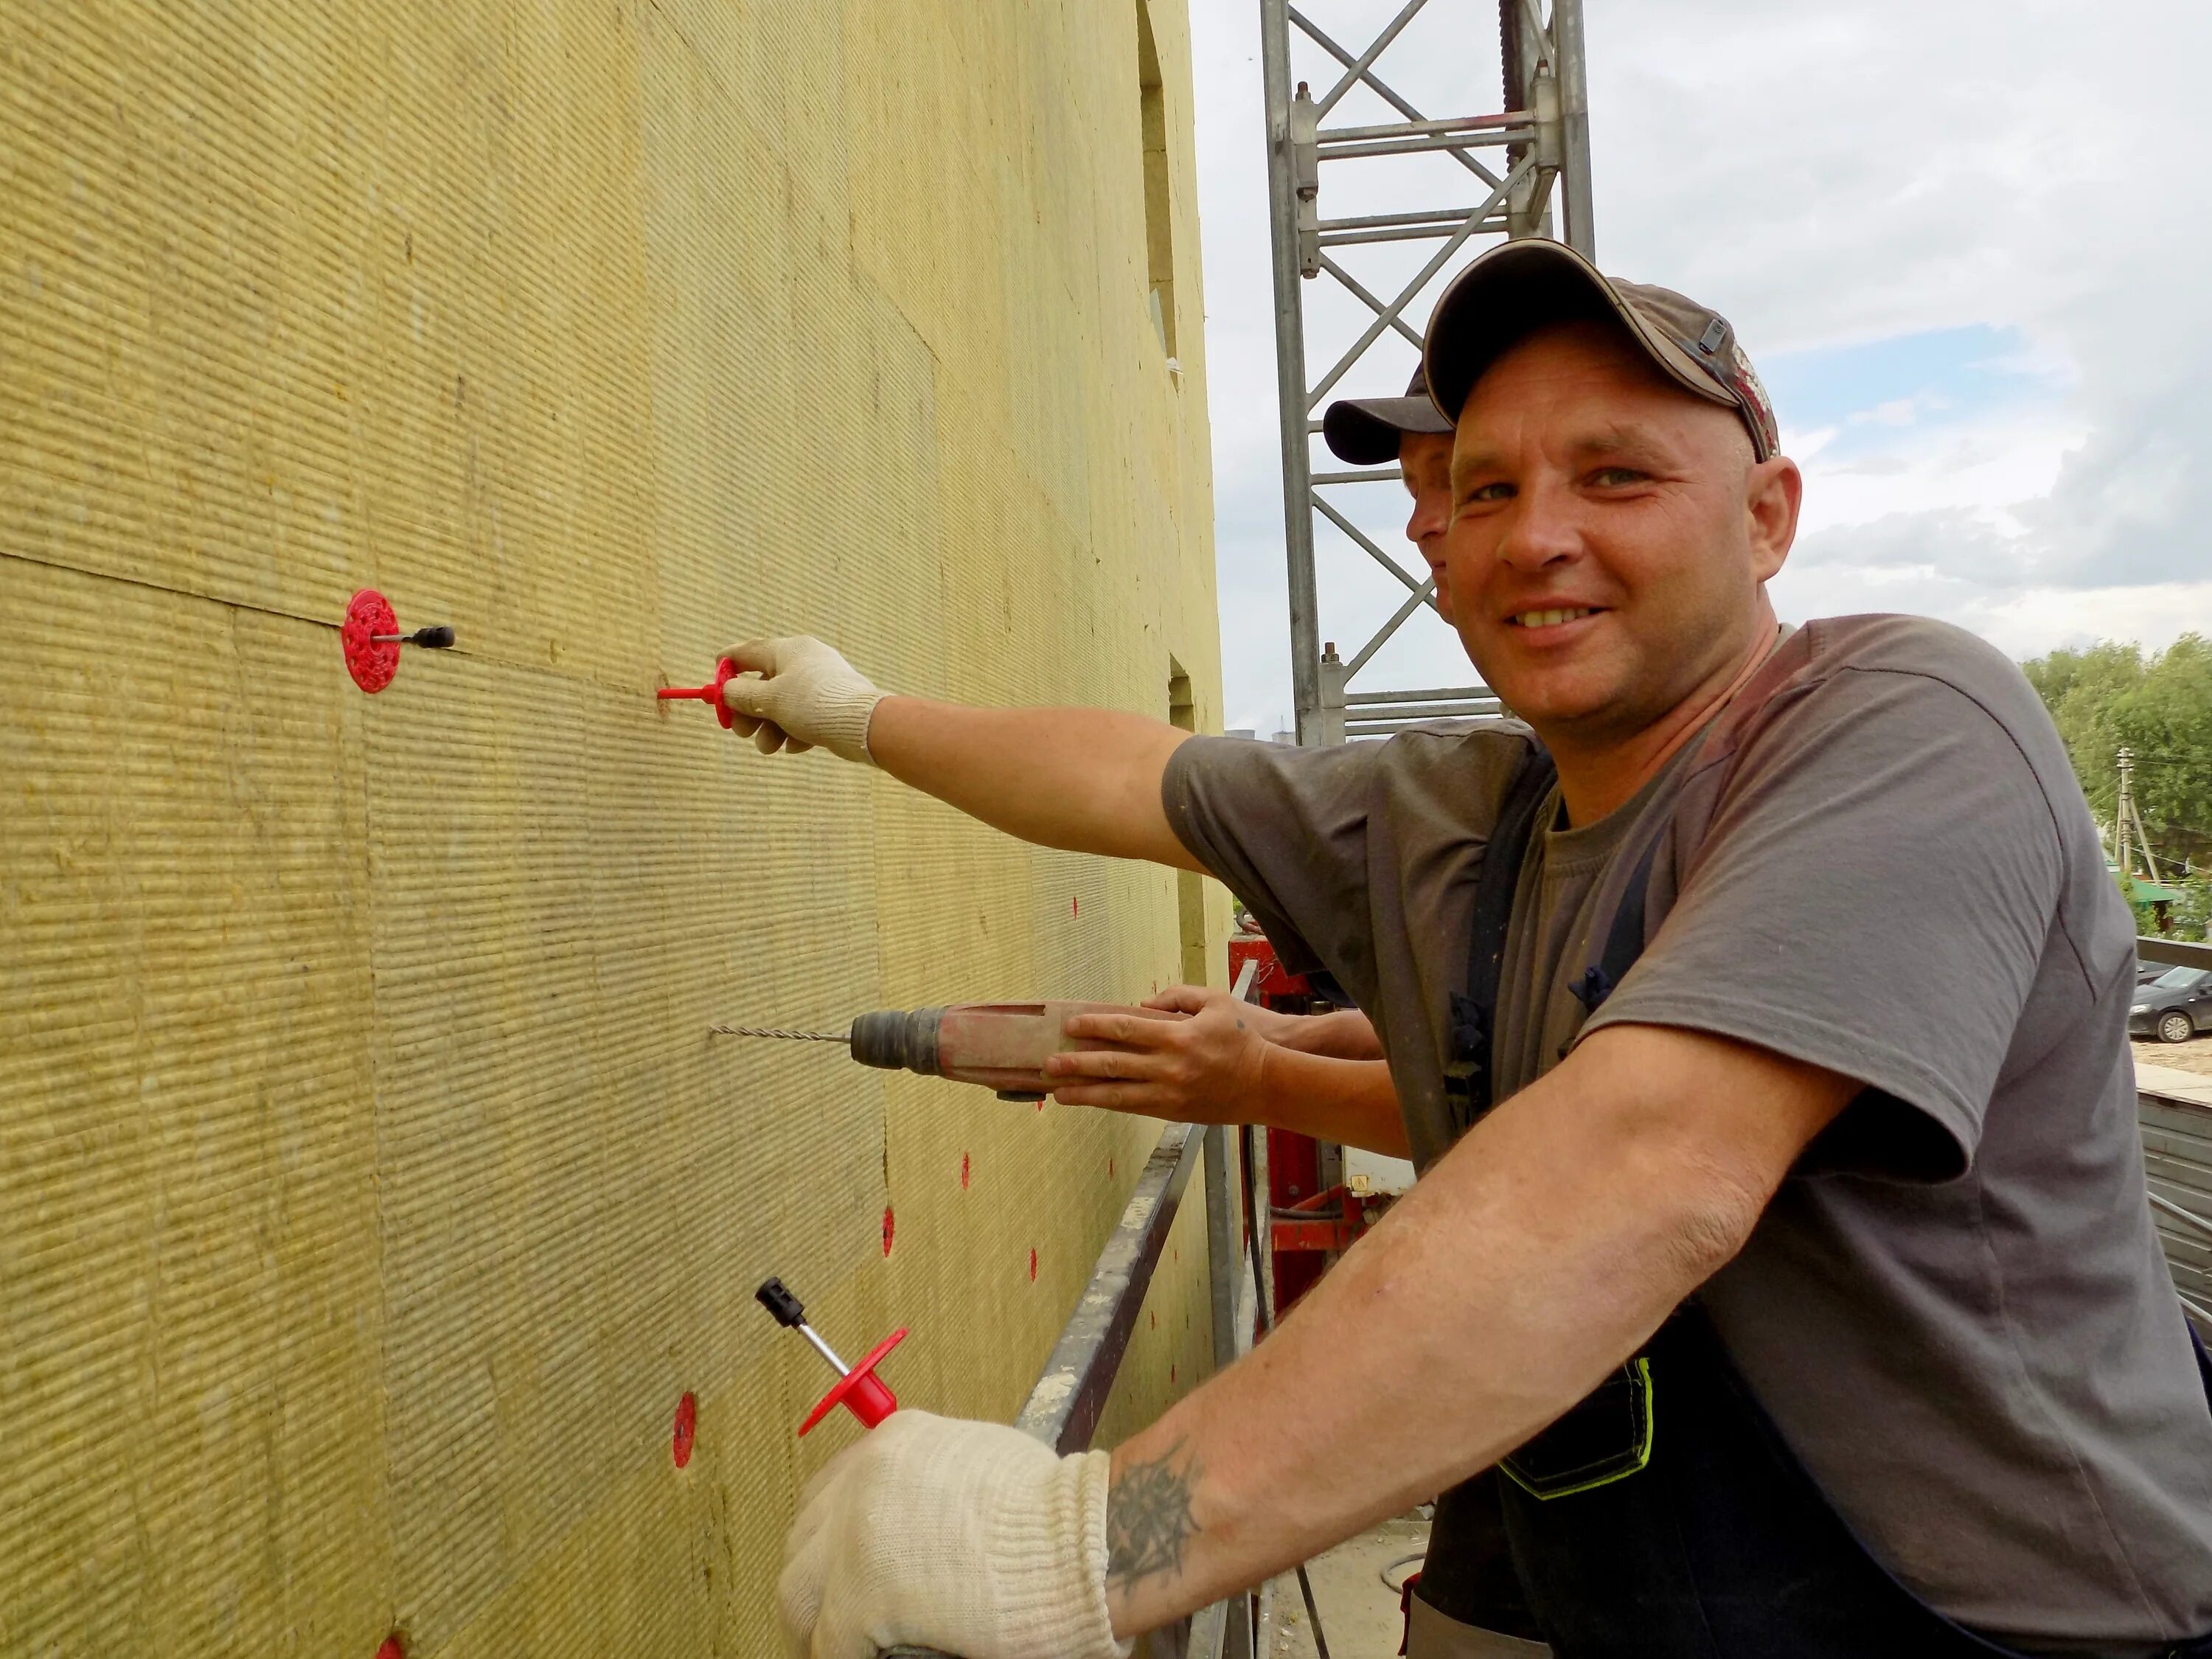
1468	1078
1624	939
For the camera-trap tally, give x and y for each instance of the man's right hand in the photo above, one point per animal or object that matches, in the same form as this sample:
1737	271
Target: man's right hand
1234	1062
1205	1069
796	692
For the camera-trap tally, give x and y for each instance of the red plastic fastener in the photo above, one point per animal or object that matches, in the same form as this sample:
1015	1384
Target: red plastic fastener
371	663
860	1391
687	1426
725	672
392	1648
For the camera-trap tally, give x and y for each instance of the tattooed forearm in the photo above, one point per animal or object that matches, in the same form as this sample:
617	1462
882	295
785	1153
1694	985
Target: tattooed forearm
1148	1518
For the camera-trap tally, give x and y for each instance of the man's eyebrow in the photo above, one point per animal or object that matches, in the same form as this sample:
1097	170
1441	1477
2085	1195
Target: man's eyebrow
1610	440
1473	461
1618	439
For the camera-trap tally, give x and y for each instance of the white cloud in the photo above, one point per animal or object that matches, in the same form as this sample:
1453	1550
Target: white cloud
1837	177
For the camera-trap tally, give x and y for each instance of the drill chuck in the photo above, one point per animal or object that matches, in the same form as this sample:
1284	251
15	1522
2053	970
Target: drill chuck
895	1039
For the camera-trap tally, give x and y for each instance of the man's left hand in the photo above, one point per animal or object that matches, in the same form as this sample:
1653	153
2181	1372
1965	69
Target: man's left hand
970	1538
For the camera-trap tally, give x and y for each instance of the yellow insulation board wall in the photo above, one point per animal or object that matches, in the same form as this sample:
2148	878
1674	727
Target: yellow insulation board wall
370	1191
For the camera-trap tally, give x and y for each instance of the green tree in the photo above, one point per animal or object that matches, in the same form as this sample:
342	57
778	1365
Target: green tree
2113	694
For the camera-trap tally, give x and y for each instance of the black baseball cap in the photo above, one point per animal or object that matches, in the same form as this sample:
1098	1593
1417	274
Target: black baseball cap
1526	284
1365	431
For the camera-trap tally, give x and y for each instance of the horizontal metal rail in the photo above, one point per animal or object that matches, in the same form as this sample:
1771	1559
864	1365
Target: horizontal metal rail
1329	152
1426	233
1414	714
1064	1407
1390	221
1432	694
2179	952
1514	117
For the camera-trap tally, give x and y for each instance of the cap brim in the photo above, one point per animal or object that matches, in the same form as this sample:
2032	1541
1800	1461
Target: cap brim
1524	285
1365	431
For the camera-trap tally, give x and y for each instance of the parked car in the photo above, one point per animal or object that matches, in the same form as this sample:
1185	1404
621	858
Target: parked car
2174	1007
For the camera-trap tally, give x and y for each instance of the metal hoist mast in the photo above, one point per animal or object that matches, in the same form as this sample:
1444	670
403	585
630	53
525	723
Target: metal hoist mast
1543	134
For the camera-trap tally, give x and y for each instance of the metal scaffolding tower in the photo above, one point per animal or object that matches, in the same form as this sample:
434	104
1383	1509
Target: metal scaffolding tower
1543	132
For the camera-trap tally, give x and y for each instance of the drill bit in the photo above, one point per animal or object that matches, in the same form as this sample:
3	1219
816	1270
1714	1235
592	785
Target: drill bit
789	1036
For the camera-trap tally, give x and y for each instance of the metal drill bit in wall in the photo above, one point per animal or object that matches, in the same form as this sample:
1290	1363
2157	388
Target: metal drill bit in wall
789	1036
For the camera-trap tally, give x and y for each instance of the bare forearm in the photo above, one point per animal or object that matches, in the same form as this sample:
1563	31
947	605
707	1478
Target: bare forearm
1084	778
1345	1033
1315	1094
1531	1259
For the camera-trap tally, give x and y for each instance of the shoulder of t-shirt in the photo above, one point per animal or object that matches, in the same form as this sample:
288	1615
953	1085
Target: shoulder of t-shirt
1448	742
1940	653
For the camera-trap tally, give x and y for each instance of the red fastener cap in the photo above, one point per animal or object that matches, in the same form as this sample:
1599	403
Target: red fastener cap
859	1391
724	671
371	665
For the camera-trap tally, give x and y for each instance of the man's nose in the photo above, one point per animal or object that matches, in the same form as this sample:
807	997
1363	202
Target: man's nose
1541	529
1431	515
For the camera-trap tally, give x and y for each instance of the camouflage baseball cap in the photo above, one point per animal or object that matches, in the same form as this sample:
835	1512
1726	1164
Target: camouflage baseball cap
1366	431
1526	284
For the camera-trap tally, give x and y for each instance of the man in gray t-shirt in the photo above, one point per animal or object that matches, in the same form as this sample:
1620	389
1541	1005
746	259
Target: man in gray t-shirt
1955	1309
1803	1296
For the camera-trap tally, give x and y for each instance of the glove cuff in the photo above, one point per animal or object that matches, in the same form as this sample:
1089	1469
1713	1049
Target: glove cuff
843	729
1051	1599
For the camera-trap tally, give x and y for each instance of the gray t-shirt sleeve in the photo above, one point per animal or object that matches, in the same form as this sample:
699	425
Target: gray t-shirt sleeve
1285	831
1873	896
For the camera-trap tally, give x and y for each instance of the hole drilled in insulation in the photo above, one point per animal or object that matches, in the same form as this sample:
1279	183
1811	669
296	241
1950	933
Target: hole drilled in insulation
888	1227
687	1425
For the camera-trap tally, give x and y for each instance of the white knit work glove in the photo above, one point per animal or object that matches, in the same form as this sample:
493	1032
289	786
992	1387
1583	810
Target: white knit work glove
970	1538
796	692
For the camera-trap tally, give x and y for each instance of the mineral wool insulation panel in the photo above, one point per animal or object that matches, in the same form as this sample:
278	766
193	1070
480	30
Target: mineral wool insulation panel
370	1190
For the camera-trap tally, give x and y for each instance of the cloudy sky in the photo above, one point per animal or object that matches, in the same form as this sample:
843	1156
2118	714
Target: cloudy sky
1967	242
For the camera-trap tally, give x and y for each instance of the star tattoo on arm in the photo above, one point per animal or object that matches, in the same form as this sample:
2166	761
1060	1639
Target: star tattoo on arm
1148	1522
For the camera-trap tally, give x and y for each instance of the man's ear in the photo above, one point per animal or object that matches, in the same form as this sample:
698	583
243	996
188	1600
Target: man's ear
1773	490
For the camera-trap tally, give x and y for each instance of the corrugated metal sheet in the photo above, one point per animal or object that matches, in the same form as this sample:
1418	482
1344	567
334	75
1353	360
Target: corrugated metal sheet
2177	1157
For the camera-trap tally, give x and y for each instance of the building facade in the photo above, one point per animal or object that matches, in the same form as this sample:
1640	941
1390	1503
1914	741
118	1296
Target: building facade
372	1190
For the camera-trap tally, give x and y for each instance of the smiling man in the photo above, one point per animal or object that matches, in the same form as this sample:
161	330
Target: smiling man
1780	1278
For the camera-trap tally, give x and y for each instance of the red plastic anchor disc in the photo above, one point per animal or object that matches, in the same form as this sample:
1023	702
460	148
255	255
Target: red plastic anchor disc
687	1427
725	672
371	665
860	1391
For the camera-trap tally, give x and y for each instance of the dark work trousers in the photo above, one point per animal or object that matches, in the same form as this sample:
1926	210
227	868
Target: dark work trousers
1719	1547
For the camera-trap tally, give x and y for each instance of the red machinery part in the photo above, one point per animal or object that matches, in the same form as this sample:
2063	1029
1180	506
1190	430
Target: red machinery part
1271	981
371	665
860	1391
725	671
1330	1222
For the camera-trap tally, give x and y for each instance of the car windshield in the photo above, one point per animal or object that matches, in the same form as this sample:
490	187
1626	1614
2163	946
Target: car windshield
2179	979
